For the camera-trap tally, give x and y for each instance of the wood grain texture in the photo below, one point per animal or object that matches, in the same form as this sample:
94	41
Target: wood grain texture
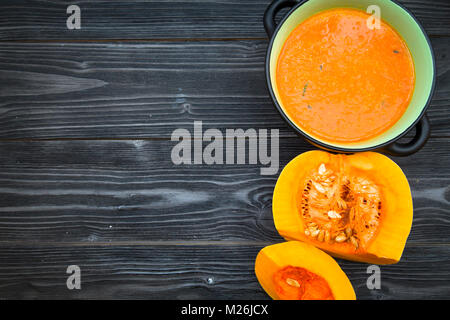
107	191
119	90
194	272
229	19
85	171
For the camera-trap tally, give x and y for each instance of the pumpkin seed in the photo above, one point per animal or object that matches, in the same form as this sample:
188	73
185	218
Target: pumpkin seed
348	231
318	187
327	236
292	282
334	215
341	203
322	169
315	233
340	238
354	242
321	236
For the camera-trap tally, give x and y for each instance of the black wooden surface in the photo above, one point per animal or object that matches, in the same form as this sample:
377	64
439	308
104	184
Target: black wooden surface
86	176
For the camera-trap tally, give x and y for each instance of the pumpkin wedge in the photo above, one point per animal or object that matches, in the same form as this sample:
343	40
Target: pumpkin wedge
357	207
298	271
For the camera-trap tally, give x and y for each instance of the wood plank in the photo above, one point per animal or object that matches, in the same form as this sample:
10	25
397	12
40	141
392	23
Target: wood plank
120	90
194	272
46	19
106	191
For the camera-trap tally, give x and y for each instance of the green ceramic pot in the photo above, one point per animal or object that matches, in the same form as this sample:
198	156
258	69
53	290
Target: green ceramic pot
419	45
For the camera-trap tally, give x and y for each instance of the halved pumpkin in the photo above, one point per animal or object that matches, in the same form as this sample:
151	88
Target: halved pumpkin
357	207
298	271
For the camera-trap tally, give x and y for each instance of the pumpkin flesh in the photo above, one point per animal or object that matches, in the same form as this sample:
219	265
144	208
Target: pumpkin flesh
298	271
296	283
357	207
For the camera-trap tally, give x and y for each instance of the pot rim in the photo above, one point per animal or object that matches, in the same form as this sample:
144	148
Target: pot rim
330	146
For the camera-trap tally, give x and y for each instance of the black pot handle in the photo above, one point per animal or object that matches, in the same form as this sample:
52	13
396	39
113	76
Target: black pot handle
405	149
272	10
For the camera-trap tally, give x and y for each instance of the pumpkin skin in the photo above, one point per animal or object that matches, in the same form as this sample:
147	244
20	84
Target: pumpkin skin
387	243
299	254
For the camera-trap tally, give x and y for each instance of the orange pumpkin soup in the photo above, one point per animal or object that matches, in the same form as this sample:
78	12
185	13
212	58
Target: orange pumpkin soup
340	81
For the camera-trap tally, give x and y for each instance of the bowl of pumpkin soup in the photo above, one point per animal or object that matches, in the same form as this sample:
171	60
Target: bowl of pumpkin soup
351	75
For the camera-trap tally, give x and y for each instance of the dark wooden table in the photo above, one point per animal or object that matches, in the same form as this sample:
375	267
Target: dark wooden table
86	176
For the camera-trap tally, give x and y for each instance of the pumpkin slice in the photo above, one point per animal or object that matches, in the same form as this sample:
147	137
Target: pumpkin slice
357	207
298	271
